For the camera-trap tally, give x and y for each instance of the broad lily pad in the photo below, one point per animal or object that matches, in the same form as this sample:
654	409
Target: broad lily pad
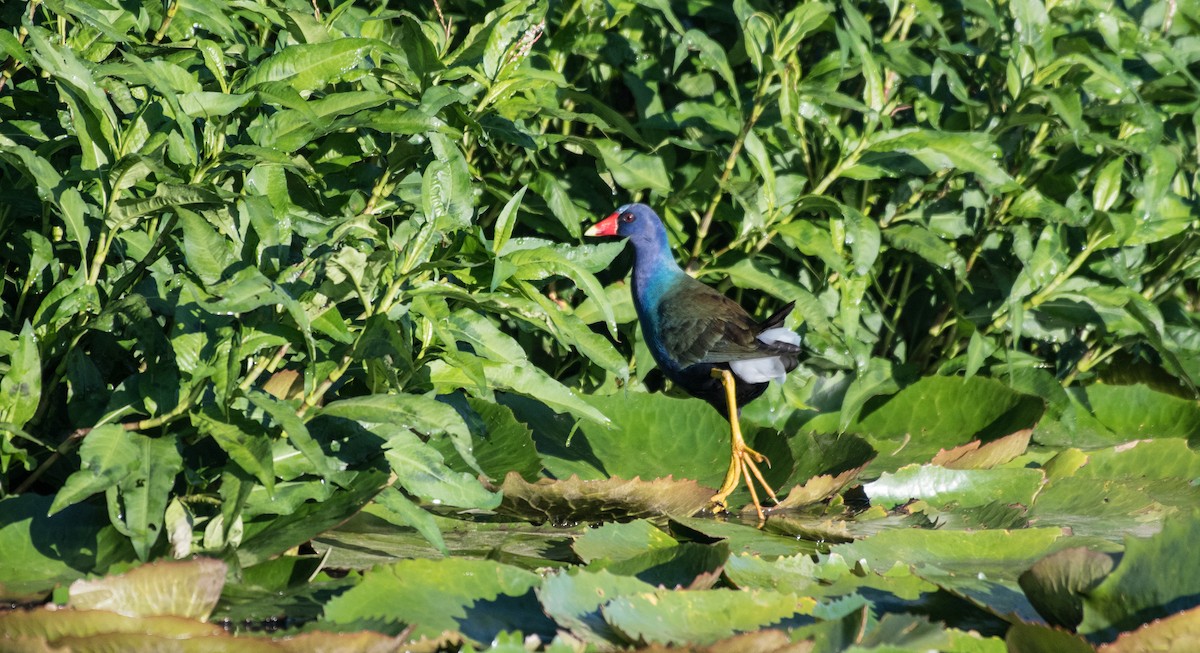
703	617
34	562
1178	632
1055	584
968	487
829	576
937	413
1031	638
762	641
621	541
815	489
1157	576
981	566
978	455
441	595
184	589
575	500
573	599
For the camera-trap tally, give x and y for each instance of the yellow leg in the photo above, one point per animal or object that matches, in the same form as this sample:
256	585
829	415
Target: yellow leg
743	459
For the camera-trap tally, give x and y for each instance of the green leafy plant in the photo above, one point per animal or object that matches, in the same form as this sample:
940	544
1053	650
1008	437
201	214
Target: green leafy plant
301	286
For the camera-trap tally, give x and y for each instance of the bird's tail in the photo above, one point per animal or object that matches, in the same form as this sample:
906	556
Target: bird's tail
777	317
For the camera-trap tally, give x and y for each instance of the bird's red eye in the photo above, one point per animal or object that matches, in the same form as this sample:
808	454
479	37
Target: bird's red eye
627	217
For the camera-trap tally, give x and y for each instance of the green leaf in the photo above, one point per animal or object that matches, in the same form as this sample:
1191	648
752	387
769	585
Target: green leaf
146	490
74	213
634	171
822	576
208	254
617	541
527	380
967	151
573	598
84	541
422	414
874	381
543	262
926	244
93	118
573	500
297	433
1138	411
446	196
667	617
712	57
165	197
1156	577
499	442
941	412
1031	638
246	442
966	487
310	66
21	386
433	595
108	456
1057	583
687	437
421	470
268	538
188	589
507	220
1178	632
1108	185
980	565
399	510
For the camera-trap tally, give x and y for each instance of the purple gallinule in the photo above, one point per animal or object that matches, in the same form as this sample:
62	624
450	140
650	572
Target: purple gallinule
703	341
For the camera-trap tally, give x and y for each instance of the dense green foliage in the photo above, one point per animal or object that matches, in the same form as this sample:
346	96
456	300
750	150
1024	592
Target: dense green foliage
266	263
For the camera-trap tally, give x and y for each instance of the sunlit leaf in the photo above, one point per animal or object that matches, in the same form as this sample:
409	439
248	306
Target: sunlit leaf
185	589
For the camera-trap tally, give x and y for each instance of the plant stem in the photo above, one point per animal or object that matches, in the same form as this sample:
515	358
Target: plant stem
312	399
1042	295
262	365
78	435
756	111
166	22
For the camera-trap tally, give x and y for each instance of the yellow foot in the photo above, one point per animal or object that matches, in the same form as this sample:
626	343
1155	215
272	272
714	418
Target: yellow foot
743	464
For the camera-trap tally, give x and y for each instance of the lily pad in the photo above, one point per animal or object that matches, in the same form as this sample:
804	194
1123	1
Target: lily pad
367	540
741	537
1056	584
968	487
1031	638
978	455
981	566
574	500
941	412
42	551
1156	577
621	541
1178	632
703	617
829	576
762	641
442	595
690	565
815	489
51	624
573	599
180	588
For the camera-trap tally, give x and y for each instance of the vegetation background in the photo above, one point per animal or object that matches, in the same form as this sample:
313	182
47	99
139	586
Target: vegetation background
300	287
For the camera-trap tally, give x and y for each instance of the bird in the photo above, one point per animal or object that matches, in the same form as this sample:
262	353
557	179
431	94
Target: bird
703	341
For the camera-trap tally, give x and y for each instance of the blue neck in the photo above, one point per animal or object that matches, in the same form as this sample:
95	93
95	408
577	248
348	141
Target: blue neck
655	272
